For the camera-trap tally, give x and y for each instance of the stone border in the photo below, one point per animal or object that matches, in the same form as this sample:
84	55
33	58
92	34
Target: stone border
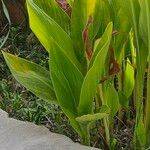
19	135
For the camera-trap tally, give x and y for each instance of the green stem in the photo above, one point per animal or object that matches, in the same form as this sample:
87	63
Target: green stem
139	106
147	112
105	120
86	135
107	133
147	115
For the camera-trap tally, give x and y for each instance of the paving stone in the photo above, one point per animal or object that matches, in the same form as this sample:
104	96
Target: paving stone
19	135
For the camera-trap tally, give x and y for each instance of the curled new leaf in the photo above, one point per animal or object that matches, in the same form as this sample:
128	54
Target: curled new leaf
91	117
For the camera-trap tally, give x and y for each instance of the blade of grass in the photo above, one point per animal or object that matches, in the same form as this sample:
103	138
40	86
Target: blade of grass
9	23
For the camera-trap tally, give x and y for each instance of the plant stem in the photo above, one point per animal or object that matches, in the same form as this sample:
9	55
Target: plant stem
139	106
105	120
86	135
147	112
147	115
107	133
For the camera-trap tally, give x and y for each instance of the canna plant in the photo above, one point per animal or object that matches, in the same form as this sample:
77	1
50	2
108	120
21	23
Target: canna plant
78	52
90	45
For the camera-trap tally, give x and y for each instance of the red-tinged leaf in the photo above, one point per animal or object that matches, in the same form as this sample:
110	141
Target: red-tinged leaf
115	32
65	6
86	41
113	65
95	73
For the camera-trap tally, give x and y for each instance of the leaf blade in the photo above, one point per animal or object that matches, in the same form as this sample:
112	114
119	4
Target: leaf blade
49	32
67	81
32	76
93	77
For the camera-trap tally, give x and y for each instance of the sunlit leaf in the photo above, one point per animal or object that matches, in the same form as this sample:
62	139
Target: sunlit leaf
67	81
111	99
32	76
128	82
91	117
124	101
93	76
49	32
81	11
53	10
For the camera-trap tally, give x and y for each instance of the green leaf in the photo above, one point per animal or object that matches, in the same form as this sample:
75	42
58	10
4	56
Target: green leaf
123	26
132	10
32	76
91	117
67	81
128	82
124	101
144	22
49	32
101	18
52	9
111	99
100	43
81	11
93	76
141	133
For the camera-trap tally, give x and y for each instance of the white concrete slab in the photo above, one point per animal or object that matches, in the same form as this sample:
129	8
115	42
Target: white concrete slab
19	135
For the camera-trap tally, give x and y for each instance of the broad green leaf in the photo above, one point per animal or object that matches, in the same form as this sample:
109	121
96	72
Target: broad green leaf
91	117
128	80
78	23
122	26
101	18
52	9
32	76
49	32
123	100
67	81
111	99
93	76
132	10
100	43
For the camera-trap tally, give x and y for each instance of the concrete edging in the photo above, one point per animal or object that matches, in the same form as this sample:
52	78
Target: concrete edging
19	135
